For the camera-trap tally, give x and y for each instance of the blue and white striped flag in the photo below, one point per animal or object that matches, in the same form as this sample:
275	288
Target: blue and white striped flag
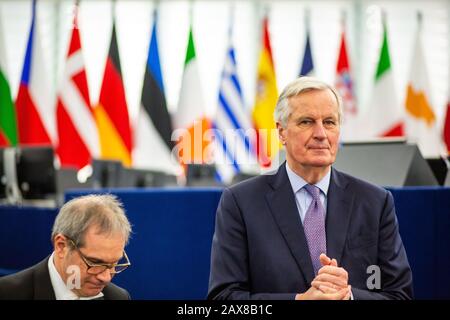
233	130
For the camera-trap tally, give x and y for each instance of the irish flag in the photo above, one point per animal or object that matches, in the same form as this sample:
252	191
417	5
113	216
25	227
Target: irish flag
191	120
385	116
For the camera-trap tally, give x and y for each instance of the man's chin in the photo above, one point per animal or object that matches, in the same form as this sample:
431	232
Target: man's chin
91	290
321	162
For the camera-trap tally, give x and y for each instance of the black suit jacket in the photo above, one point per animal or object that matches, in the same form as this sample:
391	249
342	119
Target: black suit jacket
34	284
260	251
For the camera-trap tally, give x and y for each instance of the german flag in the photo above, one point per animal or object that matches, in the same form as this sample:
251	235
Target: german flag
112	112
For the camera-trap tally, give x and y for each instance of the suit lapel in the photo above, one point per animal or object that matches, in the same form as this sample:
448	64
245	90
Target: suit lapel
281	202
43	289
339	208
108	293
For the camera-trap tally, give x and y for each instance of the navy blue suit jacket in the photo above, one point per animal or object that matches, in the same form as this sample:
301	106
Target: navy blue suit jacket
259	249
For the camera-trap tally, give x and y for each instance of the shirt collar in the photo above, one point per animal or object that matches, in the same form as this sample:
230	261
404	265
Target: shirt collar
298	182
60	288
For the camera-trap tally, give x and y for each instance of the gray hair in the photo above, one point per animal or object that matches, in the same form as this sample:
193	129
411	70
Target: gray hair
295	88
102	211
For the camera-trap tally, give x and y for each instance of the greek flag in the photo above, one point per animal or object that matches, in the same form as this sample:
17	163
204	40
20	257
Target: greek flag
233	132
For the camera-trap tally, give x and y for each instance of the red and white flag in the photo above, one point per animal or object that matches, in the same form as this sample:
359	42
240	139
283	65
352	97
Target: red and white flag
344	84
78	139
34	105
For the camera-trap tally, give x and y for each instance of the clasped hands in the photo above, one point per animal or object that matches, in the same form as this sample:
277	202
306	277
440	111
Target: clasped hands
331	283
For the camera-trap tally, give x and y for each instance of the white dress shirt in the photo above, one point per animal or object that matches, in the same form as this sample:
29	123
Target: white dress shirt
60	288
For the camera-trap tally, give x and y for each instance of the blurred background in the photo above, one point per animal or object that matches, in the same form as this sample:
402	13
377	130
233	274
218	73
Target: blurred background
211	19
131	89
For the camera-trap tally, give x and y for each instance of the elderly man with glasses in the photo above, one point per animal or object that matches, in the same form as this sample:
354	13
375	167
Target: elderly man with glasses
89	236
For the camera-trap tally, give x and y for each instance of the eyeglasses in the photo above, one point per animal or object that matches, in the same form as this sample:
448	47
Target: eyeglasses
97	268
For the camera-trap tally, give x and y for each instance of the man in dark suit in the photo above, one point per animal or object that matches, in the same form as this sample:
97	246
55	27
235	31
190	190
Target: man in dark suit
308	231
89	236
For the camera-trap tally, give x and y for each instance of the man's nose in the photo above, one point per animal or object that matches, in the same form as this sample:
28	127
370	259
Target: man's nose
319	130
105	276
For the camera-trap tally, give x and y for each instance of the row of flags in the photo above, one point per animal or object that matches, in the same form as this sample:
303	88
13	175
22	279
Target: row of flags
385	117
80	131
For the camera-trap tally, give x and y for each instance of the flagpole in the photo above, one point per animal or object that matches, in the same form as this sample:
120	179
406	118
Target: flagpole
265	14
113	11
75	13
56	39
231	23
155	10
343	19
307	19
419	21
266	11
191	13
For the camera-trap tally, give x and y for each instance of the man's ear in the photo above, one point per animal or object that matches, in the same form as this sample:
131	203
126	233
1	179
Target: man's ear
60	245
281	133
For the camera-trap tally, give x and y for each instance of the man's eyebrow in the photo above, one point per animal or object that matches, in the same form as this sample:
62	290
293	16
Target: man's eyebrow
95	260
304	116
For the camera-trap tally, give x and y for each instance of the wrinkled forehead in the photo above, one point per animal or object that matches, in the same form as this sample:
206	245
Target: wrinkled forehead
314	101
106	249
96	238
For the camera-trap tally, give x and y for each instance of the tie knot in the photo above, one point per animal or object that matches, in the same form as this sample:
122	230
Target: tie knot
313	191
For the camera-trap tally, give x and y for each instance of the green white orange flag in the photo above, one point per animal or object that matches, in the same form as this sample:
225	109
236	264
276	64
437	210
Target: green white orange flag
191	120
265	101
8	125
385	114
421	124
